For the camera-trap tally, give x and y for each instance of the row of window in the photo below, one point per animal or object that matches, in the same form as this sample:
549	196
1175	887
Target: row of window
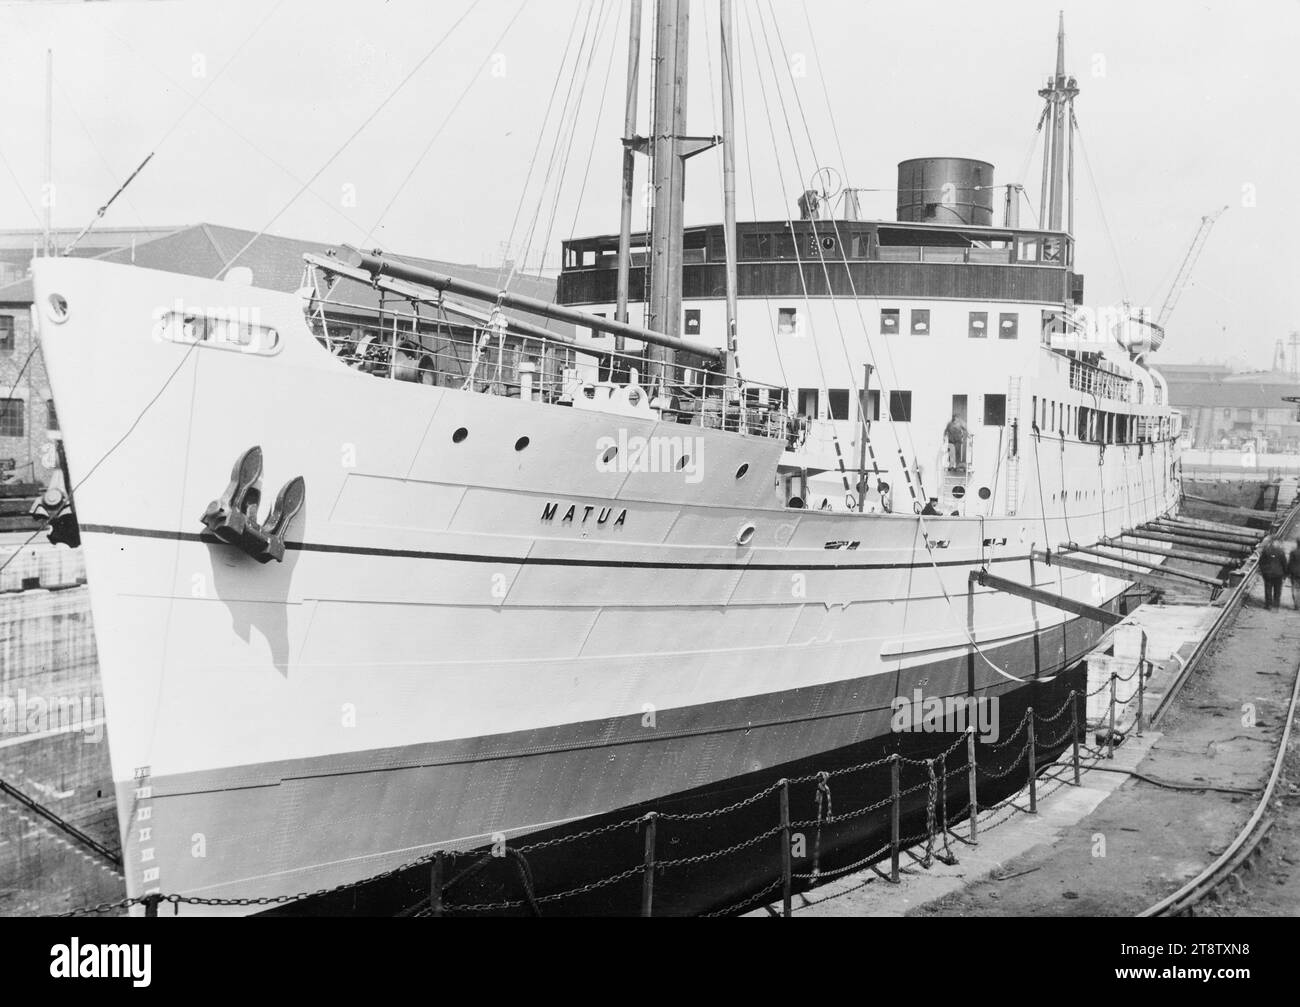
977	322
1096	425
13	413
900	406
977	325
788	322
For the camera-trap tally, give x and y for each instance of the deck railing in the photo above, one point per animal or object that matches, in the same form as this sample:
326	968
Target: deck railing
1102	383
429	349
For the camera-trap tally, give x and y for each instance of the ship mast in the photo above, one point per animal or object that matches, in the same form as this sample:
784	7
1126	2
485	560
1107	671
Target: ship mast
729	184
1058	150
670	147
631	144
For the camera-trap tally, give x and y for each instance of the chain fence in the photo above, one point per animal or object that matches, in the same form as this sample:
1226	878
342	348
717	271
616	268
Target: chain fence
935	837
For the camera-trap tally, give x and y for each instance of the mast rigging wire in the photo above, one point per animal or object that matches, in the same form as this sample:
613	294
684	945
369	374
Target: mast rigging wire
563	123
1101	209
443	125
926	538
601	24
537	147
352	136
171	129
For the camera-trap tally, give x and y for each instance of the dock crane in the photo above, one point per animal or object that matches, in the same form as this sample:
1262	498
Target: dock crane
1189	262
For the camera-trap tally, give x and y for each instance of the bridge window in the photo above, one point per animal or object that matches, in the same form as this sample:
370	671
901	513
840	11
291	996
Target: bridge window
871	409
808	402
1009	325
978	325
888	321
900	407
755	246
692	321
920	321
787	322
837	401
995	410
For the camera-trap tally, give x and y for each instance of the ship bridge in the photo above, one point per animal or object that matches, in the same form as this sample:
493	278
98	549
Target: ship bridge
841	258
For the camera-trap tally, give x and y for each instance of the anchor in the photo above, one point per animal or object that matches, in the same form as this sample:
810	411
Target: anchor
233	517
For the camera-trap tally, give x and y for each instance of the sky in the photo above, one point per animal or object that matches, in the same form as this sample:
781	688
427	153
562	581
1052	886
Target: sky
458	129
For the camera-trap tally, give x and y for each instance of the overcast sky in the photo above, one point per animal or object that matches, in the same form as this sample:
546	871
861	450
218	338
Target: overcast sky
1185	107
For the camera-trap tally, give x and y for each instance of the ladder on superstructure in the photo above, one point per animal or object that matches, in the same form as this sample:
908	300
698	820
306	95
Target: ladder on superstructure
1013	448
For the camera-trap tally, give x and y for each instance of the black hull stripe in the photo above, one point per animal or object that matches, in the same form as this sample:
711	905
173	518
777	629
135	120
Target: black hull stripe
459	557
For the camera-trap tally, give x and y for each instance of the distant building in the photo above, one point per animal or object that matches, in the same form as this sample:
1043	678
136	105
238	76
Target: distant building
28	420
1225	408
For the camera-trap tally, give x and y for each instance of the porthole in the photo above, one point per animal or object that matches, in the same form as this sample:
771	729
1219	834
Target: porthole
740	472
745	535
56	308
521	443
985	492
460	434
610	454
958	492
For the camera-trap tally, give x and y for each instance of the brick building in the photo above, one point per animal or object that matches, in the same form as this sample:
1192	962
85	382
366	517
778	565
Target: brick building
1223	408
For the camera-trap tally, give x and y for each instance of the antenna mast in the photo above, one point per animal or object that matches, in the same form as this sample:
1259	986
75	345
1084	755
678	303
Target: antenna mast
1058	150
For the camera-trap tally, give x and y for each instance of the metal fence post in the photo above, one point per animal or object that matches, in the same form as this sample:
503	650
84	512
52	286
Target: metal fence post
1033	767
1074	733
787	876
970	774
1142	686
648	874
435	884
895	817
1110	734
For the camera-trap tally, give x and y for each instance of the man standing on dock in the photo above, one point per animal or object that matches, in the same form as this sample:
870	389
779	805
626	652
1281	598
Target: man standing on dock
1273	568
1293	570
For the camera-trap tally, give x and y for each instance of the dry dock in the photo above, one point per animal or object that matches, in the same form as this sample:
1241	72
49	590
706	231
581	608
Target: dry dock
1153	815
58	819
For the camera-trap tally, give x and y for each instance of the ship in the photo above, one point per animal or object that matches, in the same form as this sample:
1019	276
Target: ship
513	595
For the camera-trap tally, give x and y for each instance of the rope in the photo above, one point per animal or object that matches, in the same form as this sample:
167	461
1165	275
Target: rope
541	132
226	264
495	47
562	121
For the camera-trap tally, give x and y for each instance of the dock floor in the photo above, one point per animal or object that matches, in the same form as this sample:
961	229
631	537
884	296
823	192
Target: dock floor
1116	844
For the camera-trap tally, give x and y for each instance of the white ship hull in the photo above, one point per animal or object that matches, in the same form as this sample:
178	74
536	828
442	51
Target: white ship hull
435	661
